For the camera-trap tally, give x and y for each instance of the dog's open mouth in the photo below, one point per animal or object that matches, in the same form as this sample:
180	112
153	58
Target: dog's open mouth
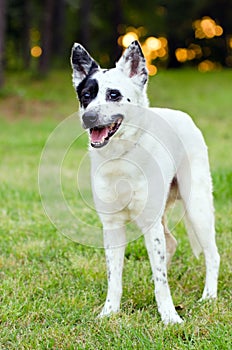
100	135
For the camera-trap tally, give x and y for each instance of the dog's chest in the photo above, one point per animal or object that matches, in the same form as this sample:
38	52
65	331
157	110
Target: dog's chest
121	185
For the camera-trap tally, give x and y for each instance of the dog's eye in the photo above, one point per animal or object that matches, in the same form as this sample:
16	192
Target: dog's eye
113	95
85	98
86	95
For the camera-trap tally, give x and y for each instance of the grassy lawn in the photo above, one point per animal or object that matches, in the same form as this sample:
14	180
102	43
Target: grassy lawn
51	288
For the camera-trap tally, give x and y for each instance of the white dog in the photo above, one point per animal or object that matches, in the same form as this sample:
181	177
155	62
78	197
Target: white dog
141	159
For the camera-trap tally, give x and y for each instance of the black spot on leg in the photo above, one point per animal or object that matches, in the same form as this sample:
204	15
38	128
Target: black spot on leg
109	275
157	240
162	258
158	252
128	100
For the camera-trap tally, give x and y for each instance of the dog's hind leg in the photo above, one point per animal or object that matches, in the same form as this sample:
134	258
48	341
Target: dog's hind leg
114	243
199	218
171	242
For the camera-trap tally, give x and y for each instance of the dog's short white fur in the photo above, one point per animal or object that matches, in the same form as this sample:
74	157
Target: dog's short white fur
153	156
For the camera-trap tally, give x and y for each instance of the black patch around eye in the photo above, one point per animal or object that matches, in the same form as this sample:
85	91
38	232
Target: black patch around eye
87	91
113	95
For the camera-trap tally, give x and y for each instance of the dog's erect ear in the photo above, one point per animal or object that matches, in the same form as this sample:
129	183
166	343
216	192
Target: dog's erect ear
82	63
133	63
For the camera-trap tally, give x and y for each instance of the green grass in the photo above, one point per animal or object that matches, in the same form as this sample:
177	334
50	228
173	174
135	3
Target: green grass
51	289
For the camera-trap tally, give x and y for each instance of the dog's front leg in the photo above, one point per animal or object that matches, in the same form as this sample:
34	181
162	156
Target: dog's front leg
114	243
156	247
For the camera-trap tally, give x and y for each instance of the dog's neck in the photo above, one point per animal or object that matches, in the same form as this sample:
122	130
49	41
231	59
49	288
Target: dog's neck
120	145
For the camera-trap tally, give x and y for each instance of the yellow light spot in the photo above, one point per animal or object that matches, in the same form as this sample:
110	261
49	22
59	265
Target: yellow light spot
199	34
152	70
153	43
218	31
163	41
230	42
161	52
153	55
181	55
36	51
120	40
146	50
206	66
128	38
206	28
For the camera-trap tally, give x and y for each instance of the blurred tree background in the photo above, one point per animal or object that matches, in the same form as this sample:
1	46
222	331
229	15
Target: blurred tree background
38	35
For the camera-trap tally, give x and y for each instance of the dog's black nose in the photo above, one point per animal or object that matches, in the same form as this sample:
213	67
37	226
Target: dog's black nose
89	119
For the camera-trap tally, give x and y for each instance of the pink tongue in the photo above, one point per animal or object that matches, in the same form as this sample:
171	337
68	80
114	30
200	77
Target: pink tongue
99	135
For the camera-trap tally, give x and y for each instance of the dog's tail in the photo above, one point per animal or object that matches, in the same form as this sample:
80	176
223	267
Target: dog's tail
194	242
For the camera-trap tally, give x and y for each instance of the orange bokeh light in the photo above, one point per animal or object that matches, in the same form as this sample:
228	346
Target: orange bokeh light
36	51
207	28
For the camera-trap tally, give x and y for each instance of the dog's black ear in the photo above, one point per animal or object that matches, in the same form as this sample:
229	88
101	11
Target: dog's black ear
133	64
82	64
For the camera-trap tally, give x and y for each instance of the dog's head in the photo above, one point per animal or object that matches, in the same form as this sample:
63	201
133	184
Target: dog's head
104	94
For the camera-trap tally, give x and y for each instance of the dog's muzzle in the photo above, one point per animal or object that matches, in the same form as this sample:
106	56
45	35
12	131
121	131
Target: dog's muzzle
100	133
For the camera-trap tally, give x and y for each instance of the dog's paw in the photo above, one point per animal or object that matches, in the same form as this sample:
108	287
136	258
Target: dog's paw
172	319
107	311
208	295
